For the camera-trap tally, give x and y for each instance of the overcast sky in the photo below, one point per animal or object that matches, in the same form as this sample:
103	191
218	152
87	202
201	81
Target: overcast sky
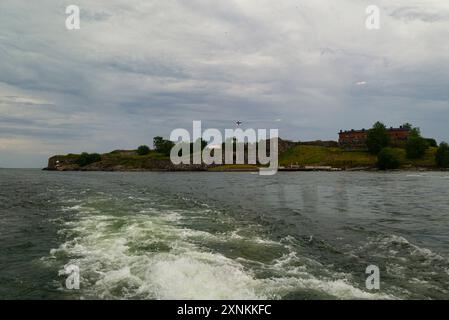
140	68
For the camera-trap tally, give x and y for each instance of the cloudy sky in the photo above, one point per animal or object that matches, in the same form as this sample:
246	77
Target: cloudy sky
140	68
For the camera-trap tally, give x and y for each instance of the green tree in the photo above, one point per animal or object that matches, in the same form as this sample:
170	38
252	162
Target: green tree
387	159
158	143
87	158
143	150
377	138
415	131
416	145
431	142
200	141
204	144
163	146
442	155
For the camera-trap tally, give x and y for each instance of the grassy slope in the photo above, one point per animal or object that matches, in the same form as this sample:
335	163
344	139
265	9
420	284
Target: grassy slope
427	161
314	155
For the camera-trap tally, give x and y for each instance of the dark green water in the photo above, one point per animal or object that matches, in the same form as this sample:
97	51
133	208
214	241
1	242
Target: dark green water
224	235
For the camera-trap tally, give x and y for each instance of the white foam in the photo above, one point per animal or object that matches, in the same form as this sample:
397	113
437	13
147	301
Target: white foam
197	275
413	250
113	270
72	208
149	255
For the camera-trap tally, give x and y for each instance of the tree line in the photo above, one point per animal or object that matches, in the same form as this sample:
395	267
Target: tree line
378	142
164	146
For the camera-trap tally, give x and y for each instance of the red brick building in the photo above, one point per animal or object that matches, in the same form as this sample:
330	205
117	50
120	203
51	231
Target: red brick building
357	138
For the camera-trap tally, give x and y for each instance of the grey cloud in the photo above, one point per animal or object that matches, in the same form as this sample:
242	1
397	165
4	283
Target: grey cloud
138	68
423	13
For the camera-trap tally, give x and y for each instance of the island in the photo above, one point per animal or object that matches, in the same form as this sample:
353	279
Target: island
378	148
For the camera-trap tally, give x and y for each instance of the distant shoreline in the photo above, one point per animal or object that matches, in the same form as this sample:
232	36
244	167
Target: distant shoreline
256	169
293	157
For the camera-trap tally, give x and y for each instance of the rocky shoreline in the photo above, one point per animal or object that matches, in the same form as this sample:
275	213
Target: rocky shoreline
65	163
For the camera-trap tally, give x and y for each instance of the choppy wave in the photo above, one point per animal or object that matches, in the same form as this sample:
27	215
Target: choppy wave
149	254
419	272
146	255
193	236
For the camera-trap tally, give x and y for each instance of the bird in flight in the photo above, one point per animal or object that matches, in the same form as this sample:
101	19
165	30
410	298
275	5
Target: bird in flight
238	122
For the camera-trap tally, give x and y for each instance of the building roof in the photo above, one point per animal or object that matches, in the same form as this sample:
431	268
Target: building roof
401	128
